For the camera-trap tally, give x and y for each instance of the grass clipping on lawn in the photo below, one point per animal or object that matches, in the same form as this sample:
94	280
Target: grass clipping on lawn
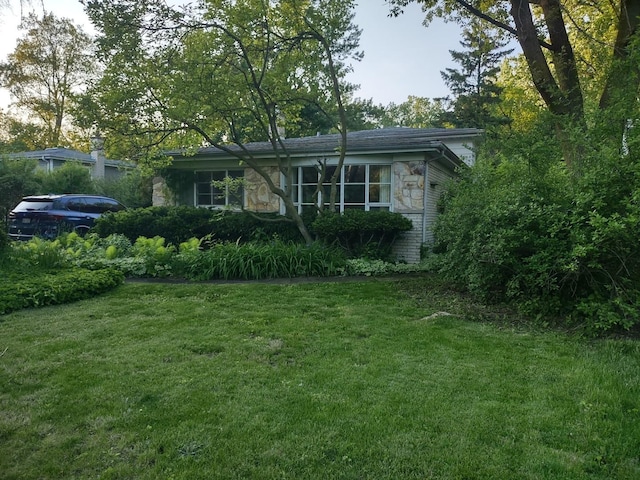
328	380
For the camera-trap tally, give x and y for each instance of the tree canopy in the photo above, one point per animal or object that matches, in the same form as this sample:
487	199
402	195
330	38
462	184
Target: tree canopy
558	39
51	63
230	72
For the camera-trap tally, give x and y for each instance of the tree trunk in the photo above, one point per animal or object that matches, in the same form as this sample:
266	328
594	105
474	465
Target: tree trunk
563	96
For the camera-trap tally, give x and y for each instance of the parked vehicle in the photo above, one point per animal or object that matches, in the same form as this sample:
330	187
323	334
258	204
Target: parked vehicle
47	216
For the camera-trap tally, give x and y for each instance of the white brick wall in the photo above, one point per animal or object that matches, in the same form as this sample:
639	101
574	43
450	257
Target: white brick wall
407	246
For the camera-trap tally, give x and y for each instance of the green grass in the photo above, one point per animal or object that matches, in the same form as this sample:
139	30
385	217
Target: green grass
302	381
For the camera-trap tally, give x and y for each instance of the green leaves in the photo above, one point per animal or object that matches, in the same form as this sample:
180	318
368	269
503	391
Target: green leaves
39	288
359	233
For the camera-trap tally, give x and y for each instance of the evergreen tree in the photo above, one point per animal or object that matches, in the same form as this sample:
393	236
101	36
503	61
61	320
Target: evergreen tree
476	93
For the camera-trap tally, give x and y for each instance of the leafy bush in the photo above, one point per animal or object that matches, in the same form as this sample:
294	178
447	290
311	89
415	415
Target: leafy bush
379	268
37	254
17	179
4	241
178	224
54	287
252	261
71	177
362	234
174	224
132	189
557	243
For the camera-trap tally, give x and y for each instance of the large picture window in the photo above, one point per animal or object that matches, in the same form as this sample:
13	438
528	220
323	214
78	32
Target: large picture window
366	187
209	195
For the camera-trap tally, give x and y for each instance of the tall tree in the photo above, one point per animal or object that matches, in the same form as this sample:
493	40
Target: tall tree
231	72
415	112
474	86
547	31
51	63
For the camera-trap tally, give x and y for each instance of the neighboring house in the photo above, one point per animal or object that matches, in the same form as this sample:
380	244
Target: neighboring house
402	170
99	166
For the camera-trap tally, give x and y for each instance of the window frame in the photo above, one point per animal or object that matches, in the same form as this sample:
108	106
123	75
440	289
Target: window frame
227	204
367	205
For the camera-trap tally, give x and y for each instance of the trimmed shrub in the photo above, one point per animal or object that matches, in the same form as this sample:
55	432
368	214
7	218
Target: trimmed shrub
174	224
57	287
362	234
178	224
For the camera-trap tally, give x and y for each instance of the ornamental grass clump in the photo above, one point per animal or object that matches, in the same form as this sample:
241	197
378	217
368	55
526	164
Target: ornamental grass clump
254	261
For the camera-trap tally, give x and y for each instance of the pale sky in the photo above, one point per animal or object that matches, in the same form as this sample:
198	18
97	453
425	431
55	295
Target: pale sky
401	56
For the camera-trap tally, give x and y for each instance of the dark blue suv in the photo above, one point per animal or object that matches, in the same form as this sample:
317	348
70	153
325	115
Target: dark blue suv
47	216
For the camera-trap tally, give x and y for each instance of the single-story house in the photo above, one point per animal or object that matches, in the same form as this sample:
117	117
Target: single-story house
402	170
50	159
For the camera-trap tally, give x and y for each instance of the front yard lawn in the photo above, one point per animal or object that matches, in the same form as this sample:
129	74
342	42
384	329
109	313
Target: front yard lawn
327	380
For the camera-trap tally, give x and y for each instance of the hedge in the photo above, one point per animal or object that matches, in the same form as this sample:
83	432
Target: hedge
52	288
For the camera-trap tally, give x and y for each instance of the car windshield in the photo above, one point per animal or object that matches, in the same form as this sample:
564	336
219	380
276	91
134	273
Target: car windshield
33	205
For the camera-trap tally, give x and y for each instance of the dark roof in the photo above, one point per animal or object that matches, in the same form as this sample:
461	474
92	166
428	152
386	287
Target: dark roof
381	140
66	154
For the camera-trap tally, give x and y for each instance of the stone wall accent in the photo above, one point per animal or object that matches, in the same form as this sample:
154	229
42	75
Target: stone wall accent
258	197
160	196
409	186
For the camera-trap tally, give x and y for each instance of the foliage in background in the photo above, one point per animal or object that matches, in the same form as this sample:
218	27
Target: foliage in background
582	59
17	179
362	234
133	189
52	61
474	86
4	243
554	242
72	177
415	112
21	177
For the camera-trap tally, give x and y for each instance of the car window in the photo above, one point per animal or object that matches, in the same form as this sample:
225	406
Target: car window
108	205
76	204
33	205
102	205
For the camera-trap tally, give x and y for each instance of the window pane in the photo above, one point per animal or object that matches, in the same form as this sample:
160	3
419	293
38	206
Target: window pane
204	199
218	196
328	173
380	174
309	175
217	176
374	193
326	189
203	177
307	193
380	193
354	194
354	173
